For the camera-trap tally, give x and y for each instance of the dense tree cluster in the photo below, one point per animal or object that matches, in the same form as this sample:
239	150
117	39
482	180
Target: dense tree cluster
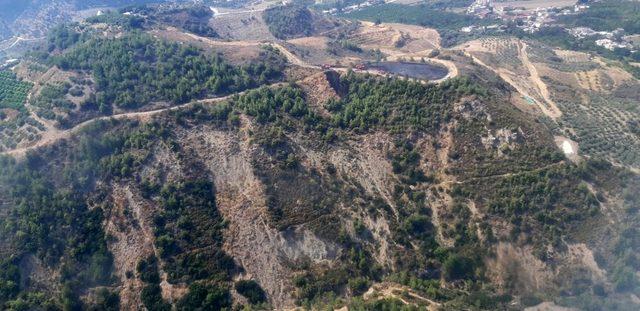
55	224
151	294
541	204
396	104
194	19
251	290
127	22
136	69
50	98
265	103
62	37
371	103
289	21
189	232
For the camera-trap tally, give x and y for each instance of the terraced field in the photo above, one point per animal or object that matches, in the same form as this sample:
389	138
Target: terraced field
13	93
16	126
596	101
604	128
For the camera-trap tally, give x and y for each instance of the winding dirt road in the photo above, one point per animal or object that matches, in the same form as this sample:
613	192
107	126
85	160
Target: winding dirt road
20	39
53	135
552	111
546	105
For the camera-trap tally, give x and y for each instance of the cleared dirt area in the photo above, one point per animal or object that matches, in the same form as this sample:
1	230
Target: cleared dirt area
549	306
241	25
515	67
235	52
395	38
315	42
400	292
568	147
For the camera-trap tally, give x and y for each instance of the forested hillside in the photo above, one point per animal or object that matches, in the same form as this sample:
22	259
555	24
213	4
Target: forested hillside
136	70
60	201
149	164
289	21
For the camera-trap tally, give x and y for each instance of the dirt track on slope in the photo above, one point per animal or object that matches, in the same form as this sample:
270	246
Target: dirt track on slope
517	81
552	111
51	136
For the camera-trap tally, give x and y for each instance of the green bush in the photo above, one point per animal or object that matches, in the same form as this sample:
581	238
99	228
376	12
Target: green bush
358	285
289	21
205	297
251	290
458	267
151	297
418	225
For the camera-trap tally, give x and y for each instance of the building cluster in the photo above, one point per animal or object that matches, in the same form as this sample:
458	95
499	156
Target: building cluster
473	28
584	32
533	19
612	45
352	8
481	8
529	20
609	40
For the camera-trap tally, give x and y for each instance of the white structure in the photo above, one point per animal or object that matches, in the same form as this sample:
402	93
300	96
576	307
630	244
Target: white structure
612	45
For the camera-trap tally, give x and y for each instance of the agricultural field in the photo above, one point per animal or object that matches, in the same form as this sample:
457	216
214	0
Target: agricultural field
604	128
13	93
590	100
16	126
600	111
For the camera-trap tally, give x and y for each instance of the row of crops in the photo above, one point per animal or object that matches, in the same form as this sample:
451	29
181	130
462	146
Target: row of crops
13	93
603	130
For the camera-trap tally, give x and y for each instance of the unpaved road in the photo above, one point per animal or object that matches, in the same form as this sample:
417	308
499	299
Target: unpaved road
516	81
297	61
20	39
291	58
392	290
216	12
51	136
552	111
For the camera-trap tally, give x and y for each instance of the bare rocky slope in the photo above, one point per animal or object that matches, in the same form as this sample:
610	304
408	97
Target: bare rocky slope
191	202
272	186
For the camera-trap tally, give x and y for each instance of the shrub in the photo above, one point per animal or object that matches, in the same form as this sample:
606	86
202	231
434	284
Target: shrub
458	267
358	285
205	297
418	225
289	21
251	290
